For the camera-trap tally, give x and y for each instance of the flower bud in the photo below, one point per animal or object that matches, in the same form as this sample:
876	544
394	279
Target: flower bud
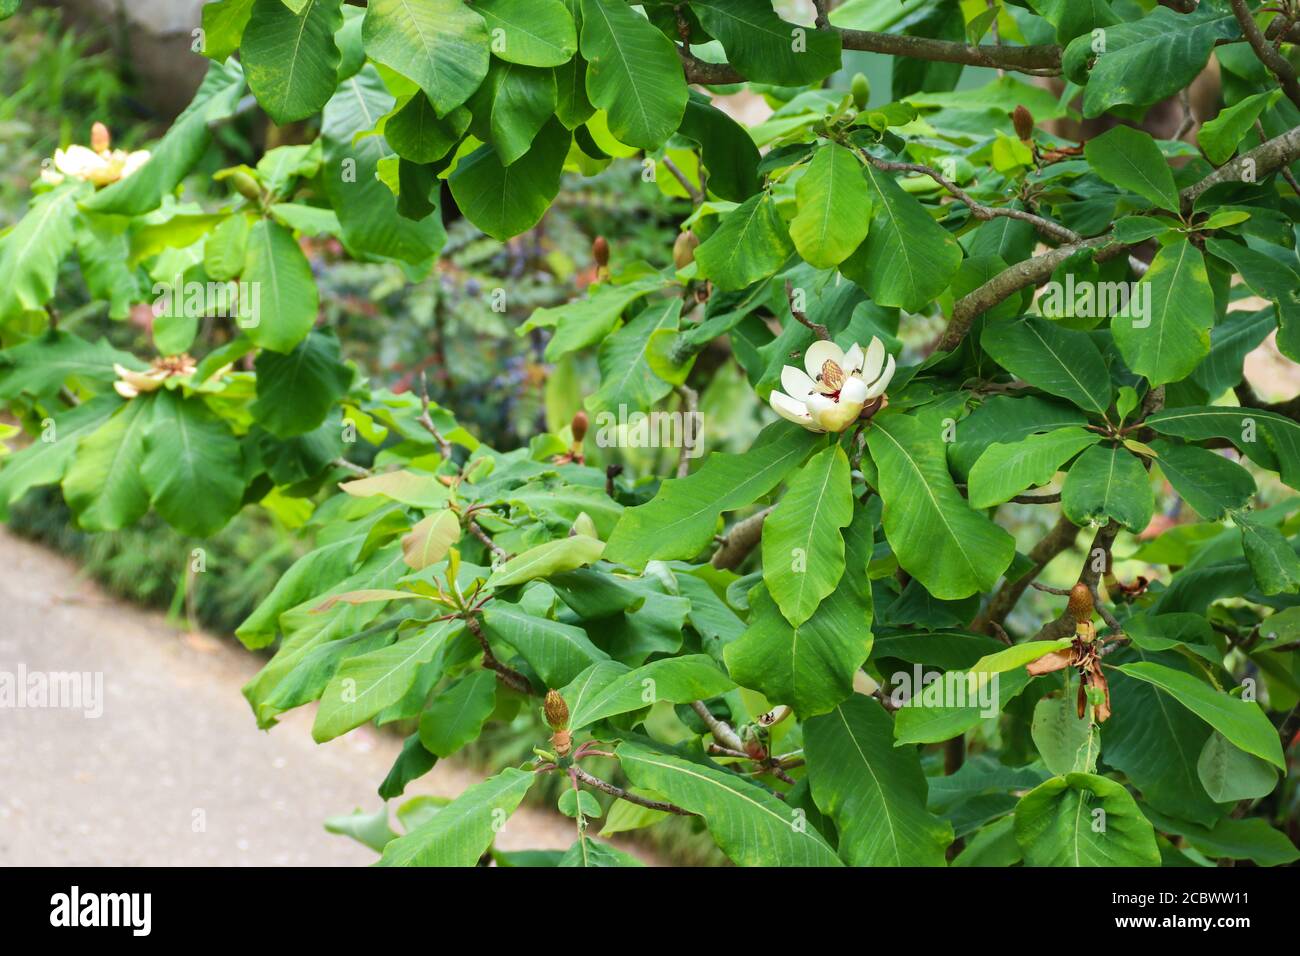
556	711
1080	604
1023	120
600	251
579	427
684	249
861	91
245	185
100	138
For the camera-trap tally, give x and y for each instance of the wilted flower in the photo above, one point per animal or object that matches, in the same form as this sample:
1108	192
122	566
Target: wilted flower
129	383
837	386
98	163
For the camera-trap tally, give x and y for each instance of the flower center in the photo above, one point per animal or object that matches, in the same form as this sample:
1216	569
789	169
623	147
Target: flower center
832	376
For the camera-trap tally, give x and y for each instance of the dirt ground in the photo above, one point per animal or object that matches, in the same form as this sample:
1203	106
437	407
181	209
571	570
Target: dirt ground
175	771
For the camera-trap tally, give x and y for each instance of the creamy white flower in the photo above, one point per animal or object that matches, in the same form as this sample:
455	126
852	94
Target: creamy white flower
102	167
836	387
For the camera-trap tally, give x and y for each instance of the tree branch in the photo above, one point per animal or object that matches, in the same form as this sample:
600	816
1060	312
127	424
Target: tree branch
606	787
740	540
1277	64
720	729
818	329
508	676
1059	539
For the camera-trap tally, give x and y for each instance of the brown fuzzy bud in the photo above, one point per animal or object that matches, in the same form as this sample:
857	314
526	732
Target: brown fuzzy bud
1080	605
1023	120
600	251
579	426
684	249
556	711
100	138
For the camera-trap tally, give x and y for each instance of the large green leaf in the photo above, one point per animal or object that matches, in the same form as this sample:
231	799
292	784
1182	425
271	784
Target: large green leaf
530	32
608	688
729	153
41	366
589	321
283	307
459	833
751	826
180	149
31	252
192	467
458	713
1006	419
557	652
1066	742
365	685
563	554
633	73
1274	276
811	667
46	459
907	258
751	243
1130	159
765	48
1004	471
511	106
1060	361
953	551
104	485
626	378
1146	60
290	58
1221	136
1272	560
1271	440
223	27
1165	330
416	132
1252	839
1230	774
505	200
442	45
680	521
1108	482
875	792
1241	722
1058	824
803	550
296	391
1211	484
834	208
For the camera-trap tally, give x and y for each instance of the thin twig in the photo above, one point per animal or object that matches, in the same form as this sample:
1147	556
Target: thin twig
352	468
691	404
697	197
606	787
508	676
426	420
1276	63
720	729
818	329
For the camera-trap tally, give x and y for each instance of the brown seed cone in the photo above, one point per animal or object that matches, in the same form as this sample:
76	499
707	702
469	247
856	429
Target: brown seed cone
684	249
600	251
1023	120
579	426
556	711
1080	605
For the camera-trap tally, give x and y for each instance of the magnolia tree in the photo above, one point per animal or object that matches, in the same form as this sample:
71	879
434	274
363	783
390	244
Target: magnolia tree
820	648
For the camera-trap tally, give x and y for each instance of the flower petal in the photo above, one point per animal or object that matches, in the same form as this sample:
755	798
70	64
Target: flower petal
854	390
817	354
882	383
853	360
791	410
875	359
796	383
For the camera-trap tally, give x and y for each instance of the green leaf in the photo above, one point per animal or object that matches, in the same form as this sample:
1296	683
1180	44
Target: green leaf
1211	484
811	667
1148	59
875	792
751	826
432	537
295	391
589	321
1275	277
365	685
907	259
1220	137
31	252
1241	722
442	45
1107	482
1004	471
369	829
563	554
41	366
1272	560
1164	331
1269	439
1006	419
588	852
1252	839
557	652
834	207
803	550
751	243
633	73
411	764
626	378
608	688
765	48
1057	824
573	803
1060	361
180	149
1230	774
417	133
953	551
1066	743
290	58
285	301
680	521
457	714
225	248
460	832
530	32
192	467
1130	159
46	459
104	486
223	27
729	153
511	106
504	200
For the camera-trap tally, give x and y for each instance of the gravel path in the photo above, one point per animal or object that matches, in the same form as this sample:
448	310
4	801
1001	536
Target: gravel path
176	746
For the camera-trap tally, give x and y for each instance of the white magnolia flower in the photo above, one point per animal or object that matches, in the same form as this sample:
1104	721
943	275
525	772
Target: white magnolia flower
96	163
837	386
130	383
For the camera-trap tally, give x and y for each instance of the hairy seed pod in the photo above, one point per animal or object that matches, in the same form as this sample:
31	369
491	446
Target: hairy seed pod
600	251
1024	123
684	249
861	91
100	138
579	426
556	711
1080	605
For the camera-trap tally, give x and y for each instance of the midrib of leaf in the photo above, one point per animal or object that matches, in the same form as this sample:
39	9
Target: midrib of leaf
752	24
709	780
635	365
33	248
887	203
623	62
1065	367
112	476
1169	292
488	15
419	644
884	802
578	700
816	512
297	46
